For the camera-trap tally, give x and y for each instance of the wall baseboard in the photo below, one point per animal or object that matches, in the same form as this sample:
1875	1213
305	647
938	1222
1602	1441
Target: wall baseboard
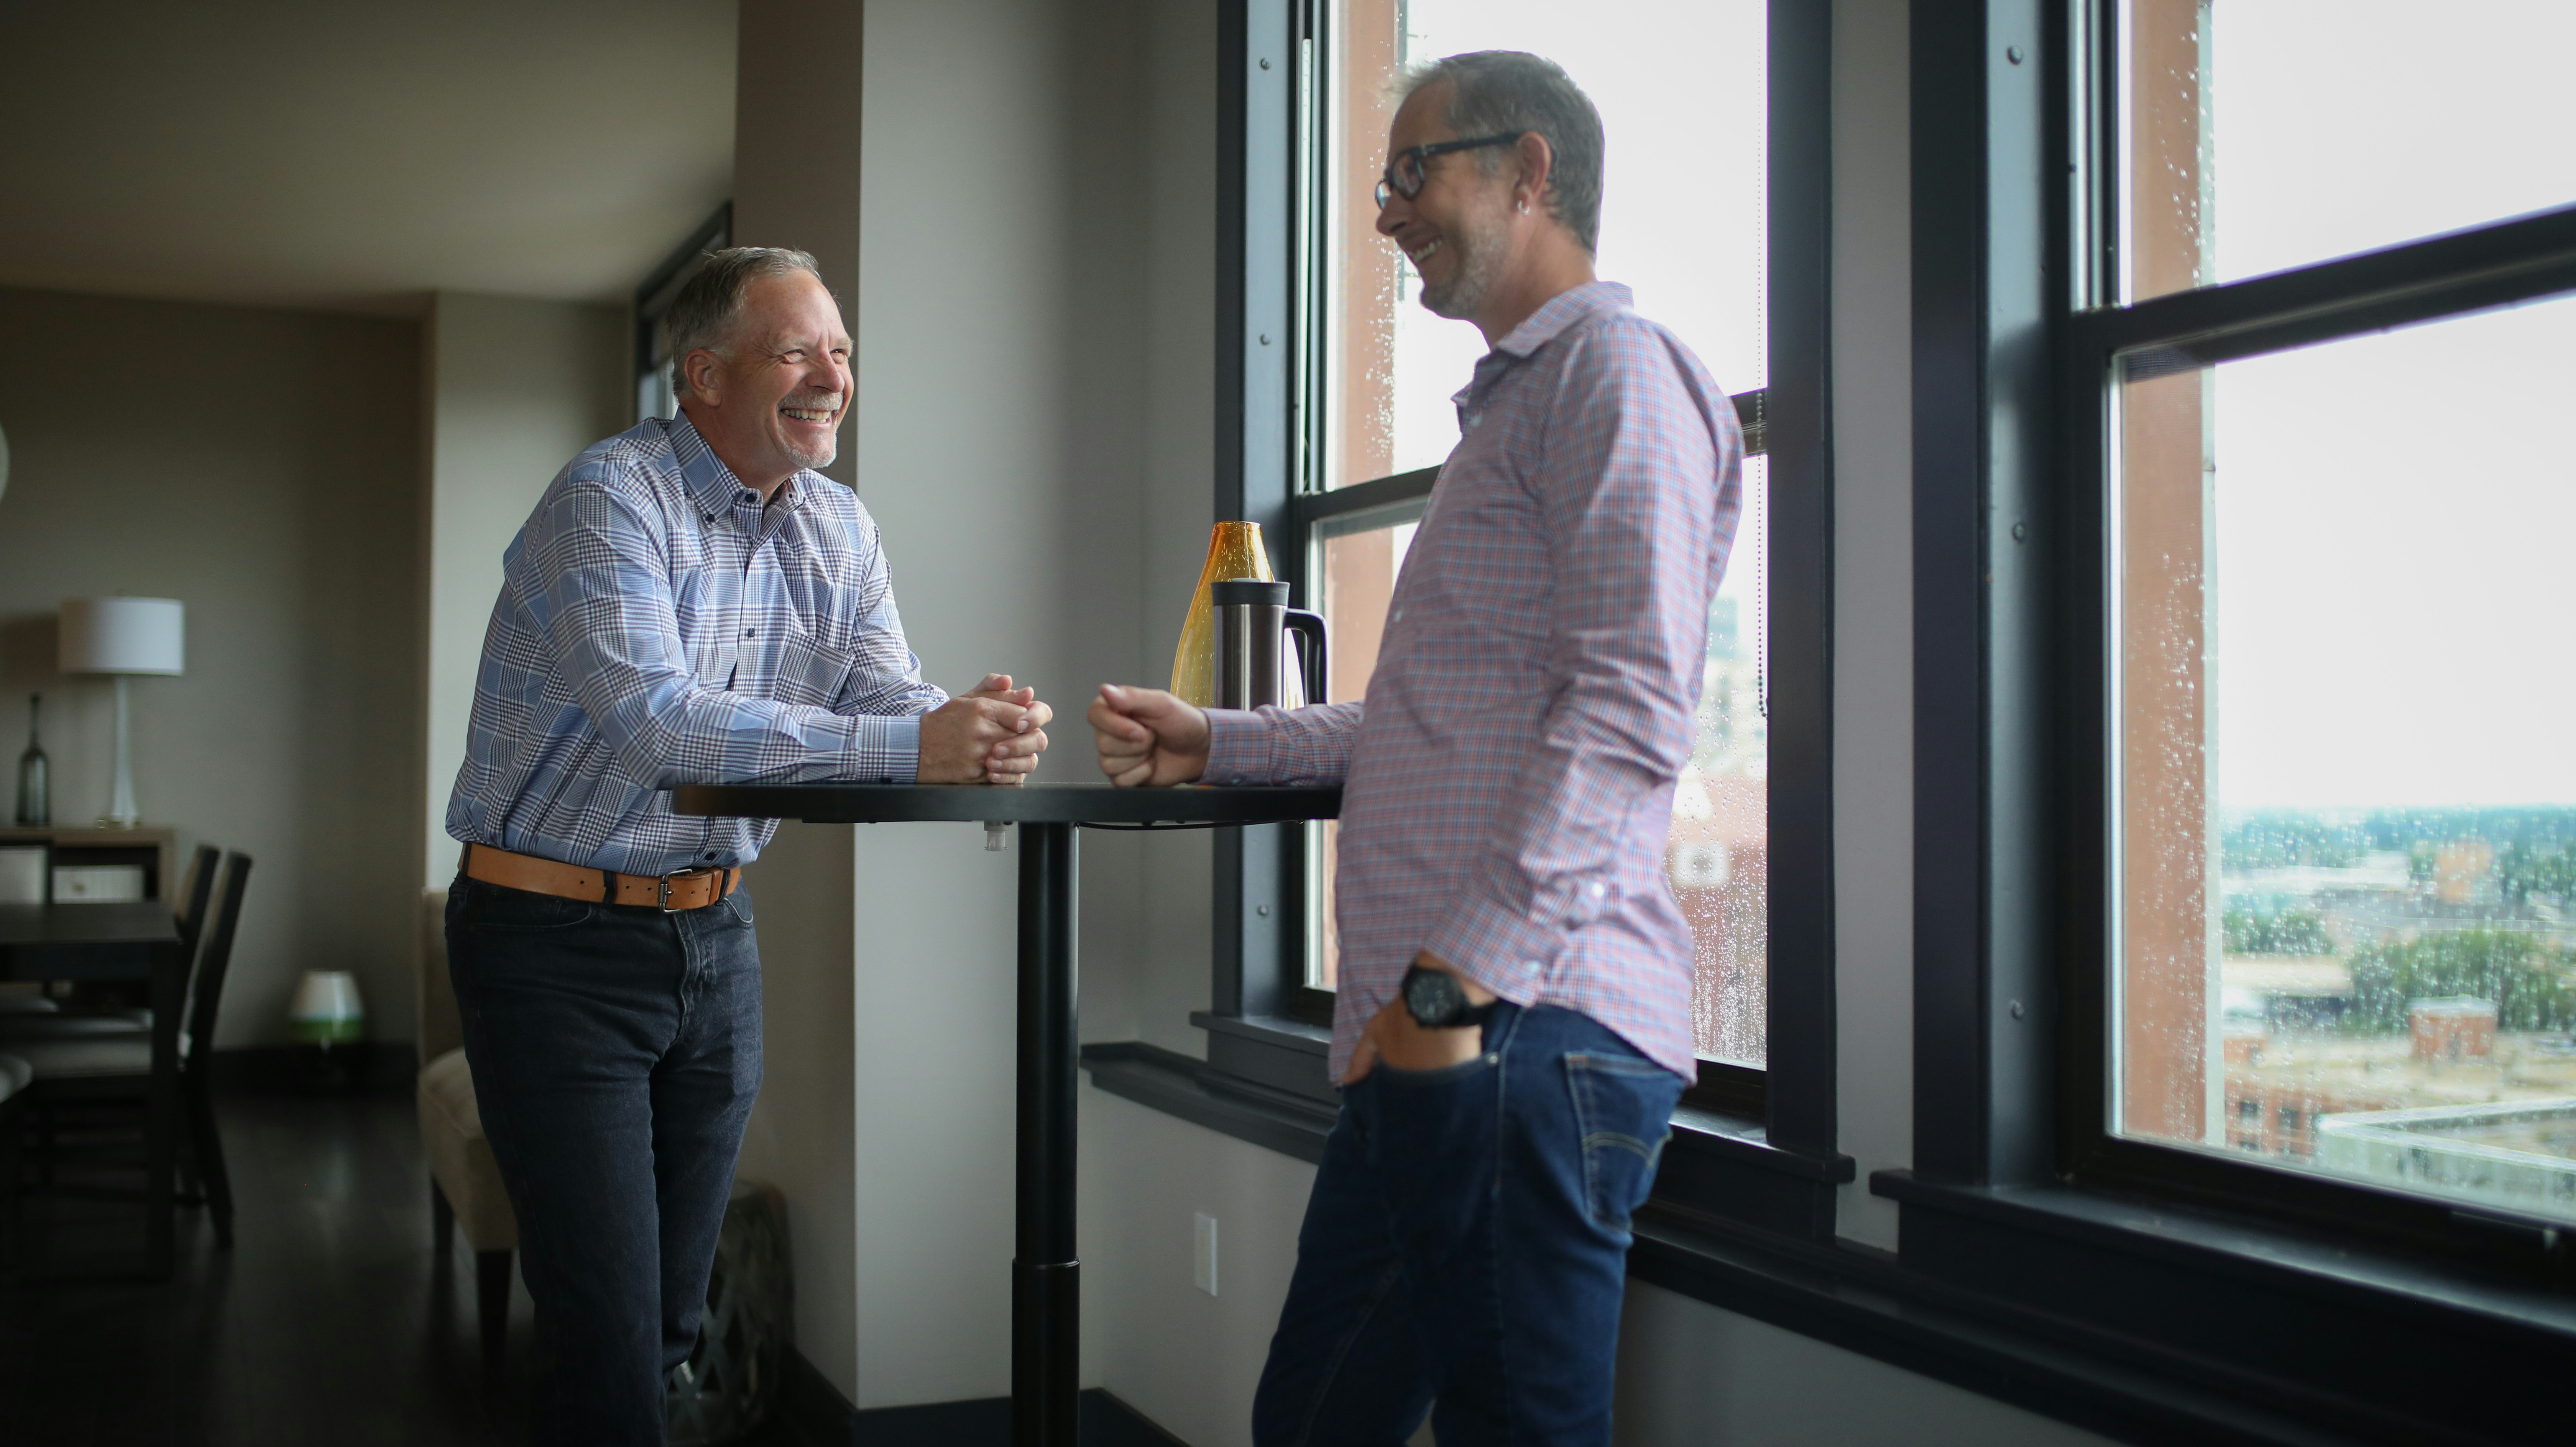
818	1415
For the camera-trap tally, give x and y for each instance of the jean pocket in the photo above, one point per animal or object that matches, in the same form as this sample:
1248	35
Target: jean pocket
740	902
1623	1107
493	907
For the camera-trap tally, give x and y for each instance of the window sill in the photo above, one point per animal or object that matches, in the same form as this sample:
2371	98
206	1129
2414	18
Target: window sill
2286	1316
1724	1167
1205	1095
1275	1053
1264	1082
1860	1299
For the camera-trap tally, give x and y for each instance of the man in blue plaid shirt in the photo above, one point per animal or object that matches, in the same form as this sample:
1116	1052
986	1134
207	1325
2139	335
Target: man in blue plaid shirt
690	602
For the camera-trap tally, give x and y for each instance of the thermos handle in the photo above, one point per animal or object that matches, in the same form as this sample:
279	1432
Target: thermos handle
1311	625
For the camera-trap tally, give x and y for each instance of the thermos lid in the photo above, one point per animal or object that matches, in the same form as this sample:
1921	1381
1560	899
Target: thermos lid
1227	592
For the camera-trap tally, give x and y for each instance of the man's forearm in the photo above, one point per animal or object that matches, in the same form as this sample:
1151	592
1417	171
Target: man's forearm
1281	745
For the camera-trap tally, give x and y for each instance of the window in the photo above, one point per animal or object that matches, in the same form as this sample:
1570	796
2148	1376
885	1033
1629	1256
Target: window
2135	557
656	390
2258	137
1379	372
2338	846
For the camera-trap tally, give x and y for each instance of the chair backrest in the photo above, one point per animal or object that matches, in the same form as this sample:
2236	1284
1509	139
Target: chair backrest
436	1029
212	965
201	892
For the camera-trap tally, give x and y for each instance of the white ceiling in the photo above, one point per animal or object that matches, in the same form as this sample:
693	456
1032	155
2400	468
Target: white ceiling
355	154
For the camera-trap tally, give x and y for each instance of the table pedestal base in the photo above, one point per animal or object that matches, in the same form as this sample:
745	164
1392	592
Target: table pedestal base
1046	1307
1046	1352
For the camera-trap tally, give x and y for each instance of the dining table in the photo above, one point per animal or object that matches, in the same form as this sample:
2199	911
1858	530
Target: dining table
1046	1311
123	941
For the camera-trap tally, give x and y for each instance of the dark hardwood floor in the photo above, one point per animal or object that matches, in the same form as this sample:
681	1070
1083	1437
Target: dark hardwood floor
330	1321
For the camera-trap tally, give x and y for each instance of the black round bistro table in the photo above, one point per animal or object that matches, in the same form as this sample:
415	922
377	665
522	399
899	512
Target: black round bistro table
1046	1304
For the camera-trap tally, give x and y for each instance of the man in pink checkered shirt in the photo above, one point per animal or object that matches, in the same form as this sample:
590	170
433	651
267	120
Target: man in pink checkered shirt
1512	1026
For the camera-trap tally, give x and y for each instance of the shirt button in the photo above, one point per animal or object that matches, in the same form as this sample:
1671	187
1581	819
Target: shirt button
750	632
711	854
1599	889
1530	965
1396	617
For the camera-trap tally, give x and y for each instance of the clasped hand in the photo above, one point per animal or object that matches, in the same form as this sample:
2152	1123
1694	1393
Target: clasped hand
992	734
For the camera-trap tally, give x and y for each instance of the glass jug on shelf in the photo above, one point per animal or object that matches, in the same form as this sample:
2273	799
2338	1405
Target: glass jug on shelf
35	786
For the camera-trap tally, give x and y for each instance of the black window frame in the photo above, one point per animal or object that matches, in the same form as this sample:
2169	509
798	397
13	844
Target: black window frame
2456	274
2250	1286
654	297
1751	1146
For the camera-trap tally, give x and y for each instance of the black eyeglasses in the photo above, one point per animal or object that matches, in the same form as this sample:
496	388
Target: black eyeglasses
1404	175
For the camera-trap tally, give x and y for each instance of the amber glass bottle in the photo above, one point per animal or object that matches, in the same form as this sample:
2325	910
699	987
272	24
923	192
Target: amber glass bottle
1234	551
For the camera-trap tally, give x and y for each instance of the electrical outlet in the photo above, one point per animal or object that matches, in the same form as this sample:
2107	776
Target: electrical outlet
1203	1252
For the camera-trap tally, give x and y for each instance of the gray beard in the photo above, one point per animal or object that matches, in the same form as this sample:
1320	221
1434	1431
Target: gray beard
822	456
1479	257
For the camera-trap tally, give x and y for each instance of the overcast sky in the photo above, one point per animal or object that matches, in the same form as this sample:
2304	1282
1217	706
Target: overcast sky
2396	513
1680	86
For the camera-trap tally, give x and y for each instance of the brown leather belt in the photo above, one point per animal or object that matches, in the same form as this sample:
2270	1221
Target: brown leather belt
669	893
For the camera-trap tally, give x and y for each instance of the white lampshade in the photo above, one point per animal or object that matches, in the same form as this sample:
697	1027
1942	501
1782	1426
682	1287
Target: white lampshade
123	635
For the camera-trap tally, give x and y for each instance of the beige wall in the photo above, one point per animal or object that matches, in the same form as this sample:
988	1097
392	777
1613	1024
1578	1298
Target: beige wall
996	441
263	467
512	390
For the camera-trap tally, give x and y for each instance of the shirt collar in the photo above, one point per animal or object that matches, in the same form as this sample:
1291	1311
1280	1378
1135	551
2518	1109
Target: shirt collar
1562	313
709	481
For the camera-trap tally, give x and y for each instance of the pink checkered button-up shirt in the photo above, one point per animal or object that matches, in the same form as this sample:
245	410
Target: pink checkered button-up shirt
1508	781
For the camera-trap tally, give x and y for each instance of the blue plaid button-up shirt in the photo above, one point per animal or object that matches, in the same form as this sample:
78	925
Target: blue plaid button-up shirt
658	626
1508	780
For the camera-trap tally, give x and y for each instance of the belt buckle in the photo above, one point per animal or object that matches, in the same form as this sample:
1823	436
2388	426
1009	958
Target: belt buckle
663	899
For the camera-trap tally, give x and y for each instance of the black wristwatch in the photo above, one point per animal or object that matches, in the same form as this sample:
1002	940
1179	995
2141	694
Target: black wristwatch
1436	1001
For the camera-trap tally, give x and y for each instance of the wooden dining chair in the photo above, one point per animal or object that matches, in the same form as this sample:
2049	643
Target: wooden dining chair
49	1022
118	1070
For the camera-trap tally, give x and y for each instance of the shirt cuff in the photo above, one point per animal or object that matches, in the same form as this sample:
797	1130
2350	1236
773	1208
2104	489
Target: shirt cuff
1238	748
884	749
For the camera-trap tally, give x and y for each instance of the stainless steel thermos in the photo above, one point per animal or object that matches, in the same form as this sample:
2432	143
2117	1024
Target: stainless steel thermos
1253	620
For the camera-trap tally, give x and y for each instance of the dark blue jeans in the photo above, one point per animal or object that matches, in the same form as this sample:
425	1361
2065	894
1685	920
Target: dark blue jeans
616	1054
1466	1246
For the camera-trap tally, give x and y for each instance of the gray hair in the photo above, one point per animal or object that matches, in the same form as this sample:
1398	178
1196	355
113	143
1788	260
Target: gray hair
1498	92
702	316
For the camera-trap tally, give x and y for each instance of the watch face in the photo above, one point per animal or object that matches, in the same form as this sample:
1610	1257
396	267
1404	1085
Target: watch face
1432	997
